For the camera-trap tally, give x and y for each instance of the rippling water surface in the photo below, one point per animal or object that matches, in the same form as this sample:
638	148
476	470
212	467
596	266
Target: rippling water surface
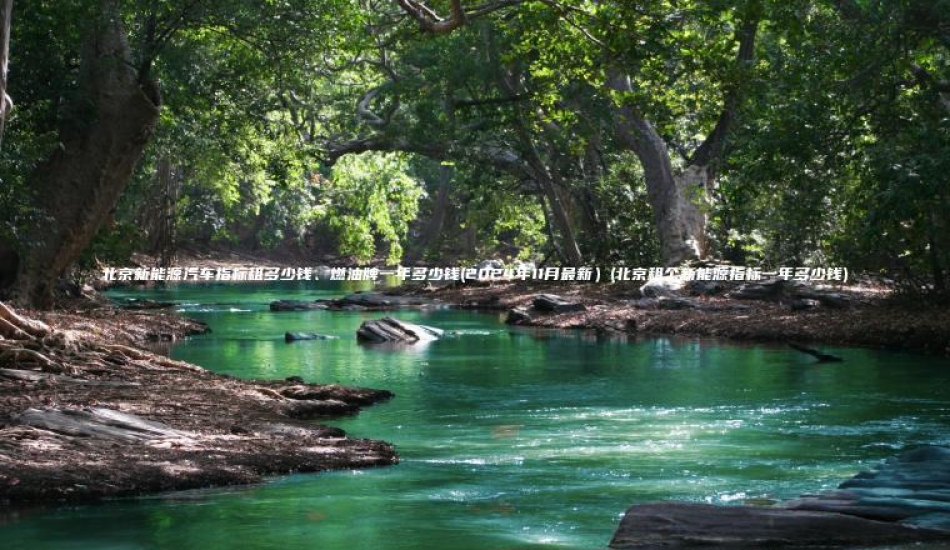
516	438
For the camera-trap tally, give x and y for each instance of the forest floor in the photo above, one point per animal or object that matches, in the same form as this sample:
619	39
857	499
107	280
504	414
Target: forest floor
873	317
87	413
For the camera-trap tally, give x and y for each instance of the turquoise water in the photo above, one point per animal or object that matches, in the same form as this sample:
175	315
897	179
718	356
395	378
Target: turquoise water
517	438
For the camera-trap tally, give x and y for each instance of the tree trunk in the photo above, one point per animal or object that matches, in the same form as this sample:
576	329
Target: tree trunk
679	199
111	122
546	180
433	229
6	14
680	222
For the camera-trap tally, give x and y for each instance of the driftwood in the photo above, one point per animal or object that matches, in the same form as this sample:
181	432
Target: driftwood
99	423
821	357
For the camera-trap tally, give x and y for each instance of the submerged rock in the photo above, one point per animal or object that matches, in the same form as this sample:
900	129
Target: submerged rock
145	304
295	305
388	329
359	301
297	336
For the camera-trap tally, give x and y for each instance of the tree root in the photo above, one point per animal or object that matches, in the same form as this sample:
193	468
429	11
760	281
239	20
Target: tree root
11	331
19	323
19	354
132	354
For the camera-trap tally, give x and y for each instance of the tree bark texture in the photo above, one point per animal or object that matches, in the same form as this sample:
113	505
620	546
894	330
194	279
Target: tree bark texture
111	121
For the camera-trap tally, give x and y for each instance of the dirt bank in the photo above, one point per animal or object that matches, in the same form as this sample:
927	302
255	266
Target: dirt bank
871	317
85	416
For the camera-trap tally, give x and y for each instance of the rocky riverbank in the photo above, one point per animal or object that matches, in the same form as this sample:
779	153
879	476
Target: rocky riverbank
905	499
853	316
84	415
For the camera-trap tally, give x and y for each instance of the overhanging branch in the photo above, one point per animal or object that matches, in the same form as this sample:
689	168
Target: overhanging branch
431	22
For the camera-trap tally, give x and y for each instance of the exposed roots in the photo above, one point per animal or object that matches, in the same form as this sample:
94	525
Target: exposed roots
83	418
15	325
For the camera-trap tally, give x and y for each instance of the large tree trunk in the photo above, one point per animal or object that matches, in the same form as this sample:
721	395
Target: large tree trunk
112	120
675	198
679	199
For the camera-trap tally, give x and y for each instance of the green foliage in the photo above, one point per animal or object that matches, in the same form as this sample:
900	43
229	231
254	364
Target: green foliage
629	235
505	222
369	200
839	153
842	156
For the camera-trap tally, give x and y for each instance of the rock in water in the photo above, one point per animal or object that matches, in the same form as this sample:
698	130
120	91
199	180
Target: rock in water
677	525
555	304
296	336
388	329
905	499
913	488
295	305
518	316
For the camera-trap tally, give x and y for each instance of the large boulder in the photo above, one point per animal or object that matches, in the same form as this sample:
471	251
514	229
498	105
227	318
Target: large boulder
771	290
388	329
904	499
490	264
913	488
675	525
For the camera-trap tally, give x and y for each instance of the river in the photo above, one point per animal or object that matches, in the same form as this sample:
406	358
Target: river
517	438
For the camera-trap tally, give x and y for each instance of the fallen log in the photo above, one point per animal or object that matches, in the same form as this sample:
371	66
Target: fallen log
97	422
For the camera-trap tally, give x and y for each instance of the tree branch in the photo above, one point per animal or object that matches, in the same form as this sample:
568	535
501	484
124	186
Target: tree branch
431	22
712	147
